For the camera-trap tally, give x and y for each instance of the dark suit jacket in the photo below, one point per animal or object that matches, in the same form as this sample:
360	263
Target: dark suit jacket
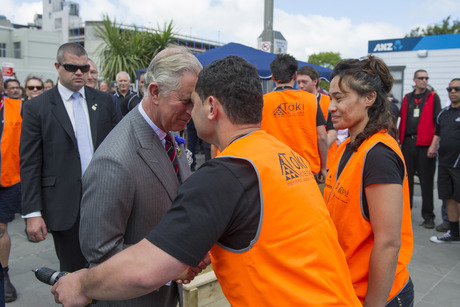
49	158
128	186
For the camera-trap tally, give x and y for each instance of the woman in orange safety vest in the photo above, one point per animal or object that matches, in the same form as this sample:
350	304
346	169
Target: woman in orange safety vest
366	189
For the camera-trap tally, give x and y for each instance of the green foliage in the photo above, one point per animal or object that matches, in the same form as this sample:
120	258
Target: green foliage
325	59
444	27
129	49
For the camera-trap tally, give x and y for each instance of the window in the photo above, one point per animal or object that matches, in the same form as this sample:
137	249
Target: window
2	50
17	50
398	75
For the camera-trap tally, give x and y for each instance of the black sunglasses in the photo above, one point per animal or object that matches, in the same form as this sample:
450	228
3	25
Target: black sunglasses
31	88
74	68
456	88
422	78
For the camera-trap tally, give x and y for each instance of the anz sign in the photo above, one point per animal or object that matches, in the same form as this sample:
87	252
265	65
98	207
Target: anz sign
391	46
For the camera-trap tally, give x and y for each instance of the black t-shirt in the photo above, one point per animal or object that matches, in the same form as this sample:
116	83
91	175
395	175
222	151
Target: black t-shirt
219	203
448	129
415	101
381	165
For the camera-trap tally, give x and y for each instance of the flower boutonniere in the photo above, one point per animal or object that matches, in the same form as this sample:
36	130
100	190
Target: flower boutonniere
179	141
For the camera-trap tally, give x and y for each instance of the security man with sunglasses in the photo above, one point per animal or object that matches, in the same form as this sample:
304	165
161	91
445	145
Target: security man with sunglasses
416	131
60	131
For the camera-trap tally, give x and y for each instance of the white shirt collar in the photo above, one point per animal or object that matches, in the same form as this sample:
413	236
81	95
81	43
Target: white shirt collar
66	94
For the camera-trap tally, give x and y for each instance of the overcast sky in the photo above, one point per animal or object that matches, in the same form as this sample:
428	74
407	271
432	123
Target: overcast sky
309	26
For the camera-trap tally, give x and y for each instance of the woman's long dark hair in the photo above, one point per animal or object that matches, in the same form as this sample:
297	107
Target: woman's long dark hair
367	75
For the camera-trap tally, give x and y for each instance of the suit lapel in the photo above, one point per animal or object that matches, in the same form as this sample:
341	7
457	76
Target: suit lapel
93	112
61	115
153	153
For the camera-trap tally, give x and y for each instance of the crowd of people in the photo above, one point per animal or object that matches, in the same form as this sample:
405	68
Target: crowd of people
309	190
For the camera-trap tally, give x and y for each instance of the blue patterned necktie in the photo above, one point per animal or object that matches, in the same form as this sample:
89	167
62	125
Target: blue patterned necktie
169	147
81	132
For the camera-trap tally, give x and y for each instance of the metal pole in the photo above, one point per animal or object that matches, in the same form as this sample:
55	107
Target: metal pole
267	34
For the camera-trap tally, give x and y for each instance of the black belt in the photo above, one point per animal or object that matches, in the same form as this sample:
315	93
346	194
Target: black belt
414	137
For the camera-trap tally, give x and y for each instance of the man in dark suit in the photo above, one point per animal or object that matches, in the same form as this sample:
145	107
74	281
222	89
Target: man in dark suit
131	182
60	130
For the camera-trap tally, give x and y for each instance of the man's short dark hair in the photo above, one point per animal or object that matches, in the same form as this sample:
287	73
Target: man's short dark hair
236	84
283	68
71	48
419	70
8	81
309	71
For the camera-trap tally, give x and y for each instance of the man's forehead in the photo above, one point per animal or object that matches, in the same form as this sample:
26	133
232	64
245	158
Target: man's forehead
422	74
455	83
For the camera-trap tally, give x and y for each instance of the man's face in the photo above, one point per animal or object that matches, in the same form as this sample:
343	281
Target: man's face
13	90
421	80
48	86
92	75
74	81
199	116
140	84
175	110
454	94
104	87
305	83
123	83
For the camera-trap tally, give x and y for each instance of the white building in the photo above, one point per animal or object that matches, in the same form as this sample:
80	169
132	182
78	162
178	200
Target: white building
439	55
29	49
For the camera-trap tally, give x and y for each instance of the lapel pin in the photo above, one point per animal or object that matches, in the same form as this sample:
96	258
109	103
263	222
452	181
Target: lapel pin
94	107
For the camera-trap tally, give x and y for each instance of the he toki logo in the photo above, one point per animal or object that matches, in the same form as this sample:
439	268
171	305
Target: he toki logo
293	166
289	109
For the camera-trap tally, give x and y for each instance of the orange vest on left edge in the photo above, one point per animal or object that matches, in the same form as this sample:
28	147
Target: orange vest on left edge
324	102
343	200
290	116
9	146
295	260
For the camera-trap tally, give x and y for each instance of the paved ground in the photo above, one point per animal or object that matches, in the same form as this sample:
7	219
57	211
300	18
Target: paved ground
435	268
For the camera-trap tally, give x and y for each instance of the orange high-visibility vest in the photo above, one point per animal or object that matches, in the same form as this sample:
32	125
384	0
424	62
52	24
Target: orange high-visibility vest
343	200
290	116
295	260
9	146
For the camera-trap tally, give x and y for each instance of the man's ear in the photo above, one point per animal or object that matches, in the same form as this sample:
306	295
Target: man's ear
56	65
212	105
154	92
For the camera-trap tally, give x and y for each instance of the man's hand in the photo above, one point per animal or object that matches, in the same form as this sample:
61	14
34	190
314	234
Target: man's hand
431	152
190	273
68	292
36	228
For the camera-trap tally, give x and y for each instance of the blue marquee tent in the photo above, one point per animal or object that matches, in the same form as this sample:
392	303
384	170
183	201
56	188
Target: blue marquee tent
258	58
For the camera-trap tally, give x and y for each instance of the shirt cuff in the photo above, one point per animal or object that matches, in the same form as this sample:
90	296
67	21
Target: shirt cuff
33	214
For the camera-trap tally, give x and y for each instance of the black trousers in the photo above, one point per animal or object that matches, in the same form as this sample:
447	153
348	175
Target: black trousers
417	161
68	251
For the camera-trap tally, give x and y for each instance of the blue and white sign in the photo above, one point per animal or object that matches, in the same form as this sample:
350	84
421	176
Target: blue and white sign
432	42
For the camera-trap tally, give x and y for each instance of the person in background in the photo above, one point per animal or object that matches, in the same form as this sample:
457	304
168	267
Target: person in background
92	75
49	84
446	142
34	87
103	86
10	186
263	254
308	80
416	131
123	81
367	191
133	99
60	131
293	116
12	89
